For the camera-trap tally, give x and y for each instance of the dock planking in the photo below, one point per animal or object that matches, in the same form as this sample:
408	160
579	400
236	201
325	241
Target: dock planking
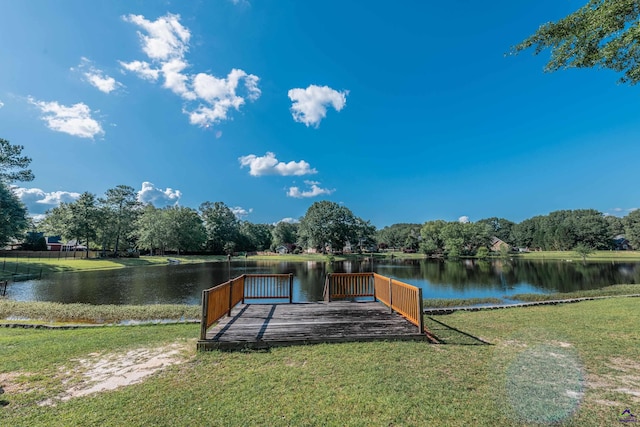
258	326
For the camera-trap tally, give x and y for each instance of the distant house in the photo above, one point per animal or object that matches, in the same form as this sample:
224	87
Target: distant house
497	245
620	243
54	243
282	250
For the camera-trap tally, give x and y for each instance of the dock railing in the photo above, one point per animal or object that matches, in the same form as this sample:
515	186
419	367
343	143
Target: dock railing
398	296
220	300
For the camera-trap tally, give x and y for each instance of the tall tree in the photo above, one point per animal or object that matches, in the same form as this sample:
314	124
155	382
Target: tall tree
122	208
327	224
151	231
221	224
603	33
284	233
500	228
632	228
254	237
82	222
13	215
185	230
13	166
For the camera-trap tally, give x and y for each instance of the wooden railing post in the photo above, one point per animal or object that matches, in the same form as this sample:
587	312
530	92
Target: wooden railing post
230	297
327	288
290	288
420	313
390	296
372	282
203	319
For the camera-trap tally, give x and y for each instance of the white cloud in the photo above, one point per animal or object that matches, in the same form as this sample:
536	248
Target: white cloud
240	212
288	220
463	219
314	191
1	104
38	201
269	165
166	38
166	43
157	196
75	120
310	104
96	77
142	69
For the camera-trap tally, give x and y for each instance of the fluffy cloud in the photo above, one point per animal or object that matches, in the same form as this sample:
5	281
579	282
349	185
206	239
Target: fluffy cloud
310	104
269	165
240	212
157	196
96	77
1	104
209	98
38	201
142	69
75	120
314	191
463	219
288	220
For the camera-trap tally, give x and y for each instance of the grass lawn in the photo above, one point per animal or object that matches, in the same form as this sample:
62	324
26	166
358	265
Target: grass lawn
577	363
619	256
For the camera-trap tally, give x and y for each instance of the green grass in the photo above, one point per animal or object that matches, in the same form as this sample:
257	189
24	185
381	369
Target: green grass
538	359
458	302
573	256
57	312
614	290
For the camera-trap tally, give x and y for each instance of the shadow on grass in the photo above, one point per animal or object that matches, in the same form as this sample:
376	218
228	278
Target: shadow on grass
446	334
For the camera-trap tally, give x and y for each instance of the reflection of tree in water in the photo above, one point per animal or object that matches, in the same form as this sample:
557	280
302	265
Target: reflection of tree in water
557	276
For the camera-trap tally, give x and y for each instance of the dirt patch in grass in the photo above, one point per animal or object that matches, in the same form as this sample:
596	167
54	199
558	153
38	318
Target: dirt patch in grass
624	379
103	372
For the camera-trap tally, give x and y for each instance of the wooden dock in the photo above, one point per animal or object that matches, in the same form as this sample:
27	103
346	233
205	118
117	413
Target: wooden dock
258	326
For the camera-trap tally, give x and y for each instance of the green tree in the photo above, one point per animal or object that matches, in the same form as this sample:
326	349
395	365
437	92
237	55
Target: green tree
184	228
432	239
284	233
255	237
221	224
632	228
13	216
603	33
398	235
82	221
12	164
121	209
328	224
500	228
584	250
151	231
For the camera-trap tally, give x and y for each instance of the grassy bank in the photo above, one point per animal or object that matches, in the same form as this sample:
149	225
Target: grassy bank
590	349
573	256
614	290
55	312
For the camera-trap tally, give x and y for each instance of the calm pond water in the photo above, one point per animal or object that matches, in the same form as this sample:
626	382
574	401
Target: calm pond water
183	284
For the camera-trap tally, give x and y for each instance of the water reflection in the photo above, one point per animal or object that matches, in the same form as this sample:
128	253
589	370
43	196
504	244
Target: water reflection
183	284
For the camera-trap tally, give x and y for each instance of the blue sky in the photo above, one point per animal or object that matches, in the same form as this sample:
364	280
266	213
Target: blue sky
404	112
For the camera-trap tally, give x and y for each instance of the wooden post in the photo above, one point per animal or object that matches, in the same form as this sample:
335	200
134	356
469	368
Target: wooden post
372	281
203	321
390	297
420	312
230	297
327	290
290	288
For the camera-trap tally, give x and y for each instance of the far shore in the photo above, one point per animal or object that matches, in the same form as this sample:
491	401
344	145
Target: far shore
44	265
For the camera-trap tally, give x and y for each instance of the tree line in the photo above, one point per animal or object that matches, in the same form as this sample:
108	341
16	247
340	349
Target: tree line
118	224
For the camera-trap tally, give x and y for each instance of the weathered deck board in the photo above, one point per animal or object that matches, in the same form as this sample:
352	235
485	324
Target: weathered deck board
269	325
